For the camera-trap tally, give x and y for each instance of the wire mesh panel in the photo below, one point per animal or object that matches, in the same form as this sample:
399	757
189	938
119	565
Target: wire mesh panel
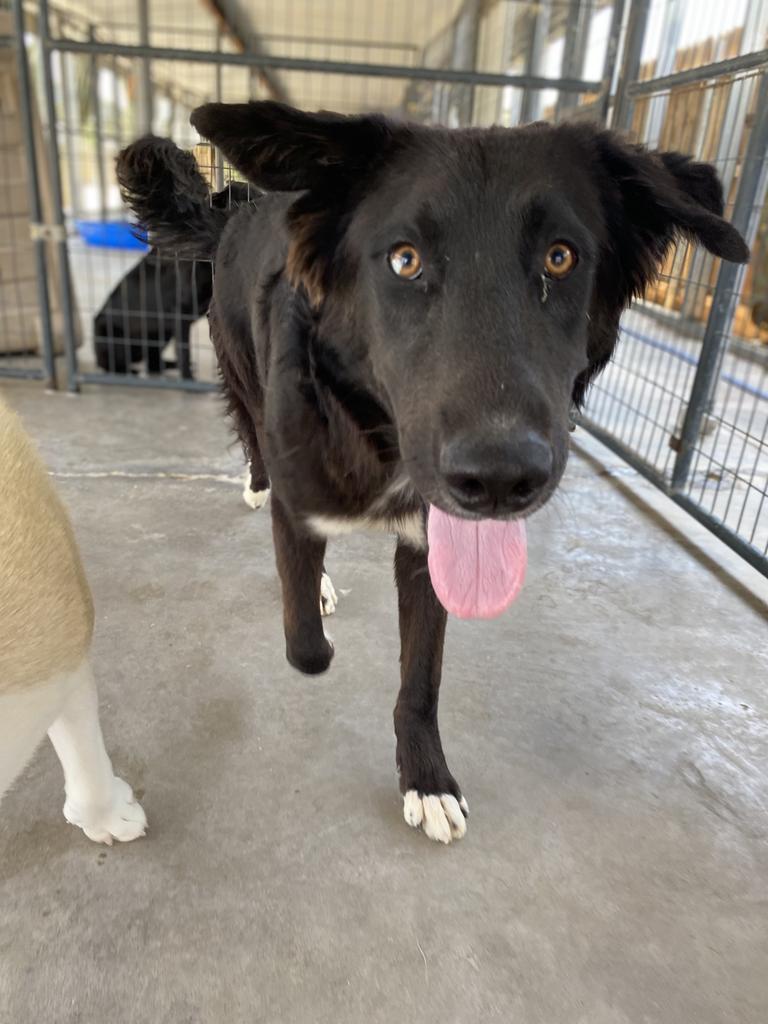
26	342
643	395
141	313
110	72
19	333
686	398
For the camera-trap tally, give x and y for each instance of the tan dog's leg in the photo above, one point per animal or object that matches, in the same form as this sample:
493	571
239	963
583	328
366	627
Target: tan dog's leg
100	803
24	718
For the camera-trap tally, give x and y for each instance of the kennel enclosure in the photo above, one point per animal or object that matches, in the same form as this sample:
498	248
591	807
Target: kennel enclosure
686	399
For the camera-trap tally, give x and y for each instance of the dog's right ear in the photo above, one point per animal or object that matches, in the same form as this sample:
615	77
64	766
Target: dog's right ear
285	150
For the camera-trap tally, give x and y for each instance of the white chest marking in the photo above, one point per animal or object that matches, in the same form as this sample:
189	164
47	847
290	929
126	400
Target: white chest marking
409	529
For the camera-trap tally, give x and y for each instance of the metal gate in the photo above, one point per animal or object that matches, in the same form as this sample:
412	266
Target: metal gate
686	400
104	72
27	342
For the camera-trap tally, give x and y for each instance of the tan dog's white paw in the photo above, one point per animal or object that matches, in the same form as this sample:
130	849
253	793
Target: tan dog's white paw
123	820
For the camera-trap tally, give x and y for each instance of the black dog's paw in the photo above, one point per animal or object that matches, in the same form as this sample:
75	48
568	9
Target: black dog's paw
441	816
432	798
310	661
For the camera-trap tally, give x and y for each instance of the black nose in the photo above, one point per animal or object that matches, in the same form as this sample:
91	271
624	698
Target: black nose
488	472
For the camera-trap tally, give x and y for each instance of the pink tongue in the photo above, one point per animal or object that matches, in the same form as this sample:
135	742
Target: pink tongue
477	567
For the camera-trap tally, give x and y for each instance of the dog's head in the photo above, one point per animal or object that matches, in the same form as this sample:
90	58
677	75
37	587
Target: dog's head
480	274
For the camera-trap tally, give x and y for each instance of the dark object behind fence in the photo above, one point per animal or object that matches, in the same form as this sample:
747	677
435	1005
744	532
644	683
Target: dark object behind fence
157	301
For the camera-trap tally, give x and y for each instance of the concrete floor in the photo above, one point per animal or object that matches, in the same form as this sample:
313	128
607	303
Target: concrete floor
610	733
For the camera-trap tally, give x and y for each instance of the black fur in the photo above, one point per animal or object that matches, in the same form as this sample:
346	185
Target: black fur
157	300
164	187
353	390
163	295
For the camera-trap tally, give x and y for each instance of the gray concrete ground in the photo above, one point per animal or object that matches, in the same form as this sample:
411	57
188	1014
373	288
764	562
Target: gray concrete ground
610	733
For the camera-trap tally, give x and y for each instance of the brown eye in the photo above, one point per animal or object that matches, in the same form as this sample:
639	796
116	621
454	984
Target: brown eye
560	260
405	261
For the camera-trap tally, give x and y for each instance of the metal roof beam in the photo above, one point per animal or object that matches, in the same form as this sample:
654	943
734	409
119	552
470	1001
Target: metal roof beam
247	40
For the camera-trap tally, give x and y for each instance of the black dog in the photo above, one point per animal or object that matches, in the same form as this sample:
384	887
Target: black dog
157	300
402	342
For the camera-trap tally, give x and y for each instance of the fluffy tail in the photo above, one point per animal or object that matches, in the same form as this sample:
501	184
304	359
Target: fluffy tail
165	189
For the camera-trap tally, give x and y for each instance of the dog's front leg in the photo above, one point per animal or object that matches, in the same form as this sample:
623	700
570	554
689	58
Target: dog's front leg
432	797
300	566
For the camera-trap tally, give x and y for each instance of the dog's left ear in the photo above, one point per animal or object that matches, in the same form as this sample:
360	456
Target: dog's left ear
284	150
649	200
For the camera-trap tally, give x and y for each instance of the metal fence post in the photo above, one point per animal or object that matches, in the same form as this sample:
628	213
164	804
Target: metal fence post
145	75
725	298
574	51
60	230
465	56
35	205
630	65
118	125
219	168
611	53
671	30
98	127
66	64
529	110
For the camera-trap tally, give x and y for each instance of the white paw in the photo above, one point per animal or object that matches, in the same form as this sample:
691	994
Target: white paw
442	818
253	499
123	820
328	597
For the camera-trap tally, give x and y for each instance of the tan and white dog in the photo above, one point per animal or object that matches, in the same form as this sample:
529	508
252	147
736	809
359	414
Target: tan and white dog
46	624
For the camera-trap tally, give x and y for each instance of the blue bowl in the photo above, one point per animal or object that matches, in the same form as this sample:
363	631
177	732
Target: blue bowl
111	234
